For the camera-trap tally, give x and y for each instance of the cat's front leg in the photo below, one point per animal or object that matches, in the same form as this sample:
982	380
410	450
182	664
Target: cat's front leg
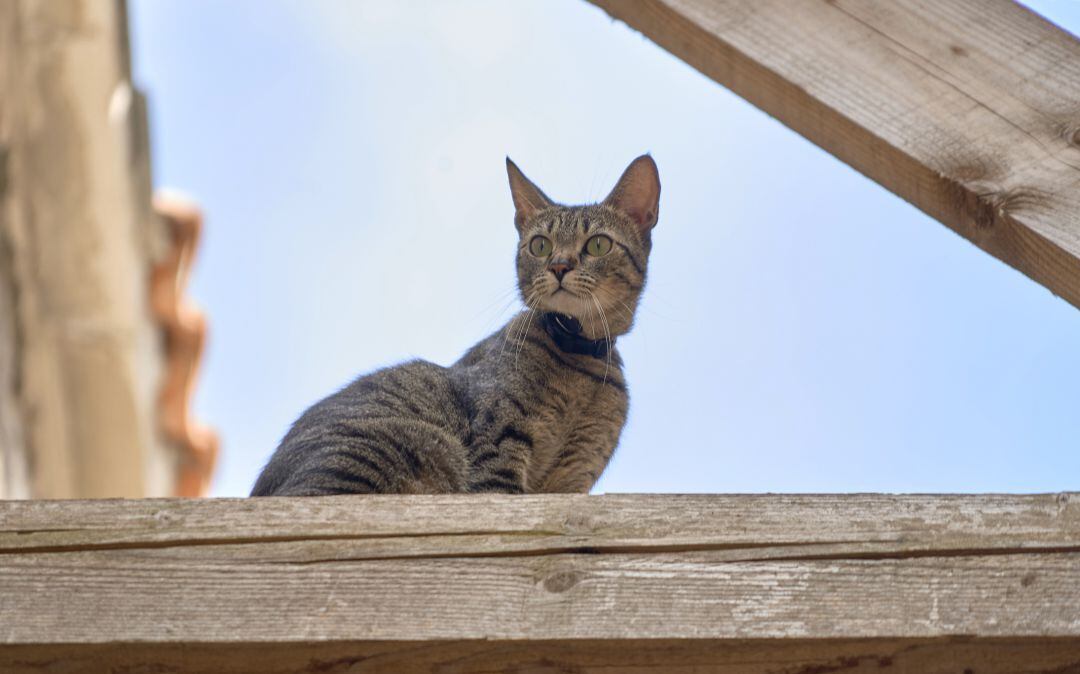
577	467
498	468
587	449
575	483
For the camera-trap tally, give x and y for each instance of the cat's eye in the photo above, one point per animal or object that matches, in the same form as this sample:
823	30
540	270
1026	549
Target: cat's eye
598	245
540	246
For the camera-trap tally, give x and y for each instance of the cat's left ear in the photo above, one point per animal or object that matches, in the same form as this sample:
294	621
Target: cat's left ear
528	198
637	194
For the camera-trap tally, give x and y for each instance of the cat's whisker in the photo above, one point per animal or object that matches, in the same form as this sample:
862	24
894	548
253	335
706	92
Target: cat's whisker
586	309
523	325
501	297
525	334
610	296
500	316
607	333
626	311
509	336
588	322
506	333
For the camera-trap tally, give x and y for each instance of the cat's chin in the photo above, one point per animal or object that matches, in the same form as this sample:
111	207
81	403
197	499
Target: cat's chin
564	302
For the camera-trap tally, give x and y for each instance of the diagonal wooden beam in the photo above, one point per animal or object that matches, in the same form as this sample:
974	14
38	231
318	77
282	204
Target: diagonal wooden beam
968	109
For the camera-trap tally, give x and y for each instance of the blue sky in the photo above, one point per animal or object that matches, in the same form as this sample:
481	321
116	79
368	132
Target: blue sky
803	329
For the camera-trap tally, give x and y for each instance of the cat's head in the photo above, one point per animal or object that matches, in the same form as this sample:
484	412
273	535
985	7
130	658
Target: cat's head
588	261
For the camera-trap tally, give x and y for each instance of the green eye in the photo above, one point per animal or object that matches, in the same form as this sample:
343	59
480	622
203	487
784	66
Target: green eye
598	246
540	246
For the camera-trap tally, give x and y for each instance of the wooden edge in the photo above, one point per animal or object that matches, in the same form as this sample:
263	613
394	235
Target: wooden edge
582	656
872	524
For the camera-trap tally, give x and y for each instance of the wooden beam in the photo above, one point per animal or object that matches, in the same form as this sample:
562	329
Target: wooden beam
543	583
14	459
968	109
81	356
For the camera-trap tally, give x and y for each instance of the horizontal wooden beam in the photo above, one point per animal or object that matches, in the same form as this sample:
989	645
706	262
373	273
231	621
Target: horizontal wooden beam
968	109
552	583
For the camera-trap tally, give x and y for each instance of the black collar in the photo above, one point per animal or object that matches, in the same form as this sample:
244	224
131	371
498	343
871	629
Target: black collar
565	331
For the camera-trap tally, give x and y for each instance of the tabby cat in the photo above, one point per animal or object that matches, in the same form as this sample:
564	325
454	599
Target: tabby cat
536	407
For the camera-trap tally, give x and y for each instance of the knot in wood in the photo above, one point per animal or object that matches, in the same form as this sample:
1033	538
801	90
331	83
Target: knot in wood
994	206
561	581
1068	131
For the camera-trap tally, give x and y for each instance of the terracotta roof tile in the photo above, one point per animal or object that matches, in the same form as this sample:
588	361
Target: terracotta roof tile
184	325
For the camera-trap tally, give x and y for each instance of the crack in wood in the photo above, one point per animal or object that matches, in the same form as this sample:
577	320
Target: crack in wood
194	542
555	550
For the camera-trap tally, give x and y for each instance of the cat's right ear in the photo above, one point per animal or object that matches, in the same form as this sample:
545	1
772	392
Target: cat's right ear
528	198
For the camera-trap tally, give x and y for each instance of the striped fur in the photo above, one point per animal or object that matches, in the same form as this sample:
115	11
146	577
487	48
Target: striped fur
515	414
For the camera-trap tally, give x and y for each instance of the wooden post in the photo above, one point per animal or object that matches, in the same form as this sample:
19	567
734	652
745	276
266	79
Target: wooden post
557	583
80	353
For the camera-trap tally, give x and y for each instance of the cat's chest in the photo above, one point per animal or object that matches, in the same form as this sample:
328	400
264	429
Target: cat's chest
542	406
575	415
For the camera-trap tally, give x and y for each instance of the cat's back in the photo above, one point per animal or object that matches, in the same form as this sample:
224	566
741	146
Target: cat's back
394	430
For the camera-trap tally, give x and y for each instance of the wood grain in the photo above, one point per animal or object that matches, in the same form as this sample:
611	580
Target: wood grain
543	583
968	109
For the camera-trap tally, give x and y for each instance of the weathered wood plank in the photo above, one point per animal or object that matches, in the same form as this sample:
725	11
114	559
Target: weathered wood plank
749	526
544	583
63	598
968	109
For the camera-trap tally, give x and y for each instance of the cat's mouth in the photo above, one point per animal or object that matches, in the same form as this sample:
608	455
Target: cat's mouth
564	301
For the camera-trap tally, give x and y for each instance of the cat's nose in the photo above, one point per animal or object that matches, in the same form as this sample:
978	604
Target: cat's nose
560	268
